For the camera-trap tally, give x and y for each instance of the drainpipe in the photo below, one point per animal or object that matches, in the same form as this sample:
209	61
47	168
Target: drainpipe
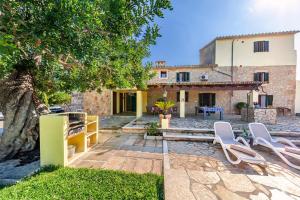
231	69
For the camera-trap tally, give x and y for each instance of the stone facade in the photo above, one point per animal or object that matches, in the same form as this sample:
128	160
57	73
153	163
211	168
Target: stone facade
282	85
193	95
93	103
265	116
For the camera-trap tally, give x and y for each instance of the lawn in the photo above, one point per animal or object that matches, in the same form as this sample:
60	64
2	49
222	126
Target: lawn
68	183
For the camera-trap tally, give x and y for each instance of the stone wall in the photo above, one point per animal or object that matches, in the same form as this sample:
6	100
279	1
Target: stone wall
282	84
76	102
265	116
93	103
215	74
221	99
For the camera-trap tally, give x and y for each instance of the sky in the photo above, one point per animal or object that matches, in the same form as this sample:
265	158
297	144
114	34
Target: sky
193	23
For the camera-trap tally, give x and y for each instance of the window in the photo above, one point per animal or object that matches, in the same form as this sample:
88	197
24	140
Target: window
183	77
186	96
265	100
261	76
163	74
261	46
207	99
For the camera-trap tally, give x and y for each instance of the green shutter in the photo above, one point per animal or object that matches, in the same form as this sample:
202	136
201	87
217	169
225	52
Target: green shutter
266	77
269	100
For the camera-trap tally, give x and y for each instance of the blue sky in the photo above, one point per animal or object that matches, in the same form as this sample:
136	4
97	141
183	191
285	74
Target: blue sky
194	23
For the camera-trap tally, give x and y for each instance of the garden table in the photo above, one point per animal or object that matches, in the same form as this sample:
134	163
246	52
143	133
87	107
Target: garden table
206	110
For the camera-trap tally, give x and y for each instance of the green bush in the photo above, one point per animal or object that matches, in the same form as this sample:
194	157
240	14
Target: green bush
152	129
240	105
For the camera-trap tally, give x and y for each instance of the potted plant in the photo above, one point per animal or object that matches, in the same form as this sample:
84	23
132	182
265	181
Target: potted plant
240	105
165	117
152	131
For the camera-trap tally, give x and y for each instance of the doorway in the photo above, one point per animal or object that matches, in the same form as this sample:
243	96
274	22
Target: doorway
207	99
130	102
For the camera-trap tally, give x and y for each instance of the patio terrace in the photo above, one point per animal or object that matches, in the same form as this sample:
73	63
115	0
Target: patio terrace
284	124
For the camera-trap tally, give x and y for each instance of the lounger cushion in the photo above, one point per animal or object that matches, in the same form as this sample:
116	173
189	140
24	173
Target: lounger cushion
243	149
292	150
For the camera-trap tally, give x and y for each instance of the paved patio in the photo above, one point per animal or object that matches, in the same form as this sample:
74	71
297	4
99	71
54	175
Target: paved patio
288	123
200	171
124	152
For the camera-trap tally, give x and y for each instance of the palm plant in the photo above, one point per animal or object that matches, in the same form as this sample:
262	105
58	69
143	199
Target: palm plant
164	106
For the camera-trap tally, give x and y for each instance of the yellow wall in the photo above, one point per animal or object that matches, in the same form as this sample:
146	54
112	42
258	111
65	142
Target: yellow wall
145	101
53	147
281	51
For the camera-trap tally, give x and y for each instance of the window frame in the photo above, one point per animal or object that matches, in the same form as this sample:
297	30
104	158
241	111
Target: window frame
262	77
185	77
163	77
261	46
268	101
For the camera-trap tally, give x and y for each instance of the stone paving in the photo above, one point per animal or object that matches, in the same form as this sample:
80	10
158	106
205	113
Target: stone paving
11	171
200	170
288	123
124	152
115	121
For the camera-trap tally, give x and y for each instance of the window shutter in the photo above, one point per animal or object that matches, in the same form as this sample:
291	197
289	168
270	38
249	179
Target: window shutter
259	100
188	77
213	99
266	77
255	77
269	100
255	47
186	96
177	77
266	46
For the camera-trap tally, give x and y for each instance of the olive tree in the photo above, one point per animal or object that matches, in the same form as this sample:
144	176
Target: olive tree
49	46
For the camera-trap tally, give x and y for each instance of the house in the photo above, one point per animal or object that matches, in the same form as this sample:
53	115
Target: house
257	68
297	101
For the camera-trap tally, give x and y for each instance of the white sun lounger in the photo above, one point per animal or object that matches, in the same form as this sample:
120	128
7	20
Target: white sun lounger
280	146
242	151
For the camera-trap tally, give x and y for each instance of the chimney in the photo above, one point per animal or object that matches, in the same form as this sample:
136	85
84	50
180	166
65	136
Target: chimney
160	63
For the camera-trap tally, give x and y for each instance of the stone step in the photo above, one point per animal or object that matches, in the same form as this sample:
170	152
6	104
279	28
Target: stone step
193	138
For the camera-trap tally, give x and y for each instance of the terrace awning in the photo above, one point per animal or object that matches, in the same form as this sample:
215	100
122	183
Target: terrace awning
235	85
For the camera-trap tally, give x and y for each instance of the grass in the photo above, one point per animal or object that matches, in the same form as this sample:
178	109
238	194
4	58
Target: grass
67	183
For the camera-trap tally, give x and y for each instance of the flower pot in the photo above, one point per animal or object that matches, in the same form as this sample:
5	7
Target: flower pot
164	121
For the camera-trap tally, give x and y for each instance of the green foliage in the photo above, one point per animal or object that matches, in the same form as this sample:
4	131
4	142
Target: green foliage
165	106
152	129
245	134
241	105
56	98
81	45
67	183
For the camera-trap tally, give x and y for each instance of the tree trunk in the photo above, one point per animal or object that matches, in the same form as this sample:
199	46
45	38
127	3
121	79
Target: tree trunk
19	107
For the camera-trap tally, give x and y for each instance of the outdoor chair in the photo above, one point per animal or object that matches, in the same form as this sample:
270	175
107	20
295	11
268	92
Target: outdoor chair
280	146
242	151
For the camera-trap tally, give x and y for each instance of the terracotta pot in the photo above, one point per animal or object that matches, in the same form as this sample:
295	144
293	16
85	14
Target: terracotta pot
168	117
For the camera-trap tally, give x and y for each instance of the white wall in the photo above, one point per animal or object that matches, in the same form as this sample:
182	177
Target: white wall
281	51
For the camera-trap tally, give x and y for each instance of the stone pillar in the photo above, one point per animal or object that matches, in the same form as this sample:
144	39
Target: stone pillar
118	102
182	103
139	104
253	98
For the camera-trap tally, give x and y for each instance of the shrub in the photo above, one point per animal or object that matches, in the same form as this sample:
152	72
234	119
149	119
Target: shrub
240	105
152	129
